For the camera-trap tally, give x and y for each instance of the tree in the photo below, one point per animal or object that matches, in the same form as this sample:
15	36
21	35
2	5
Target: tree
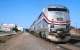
15	29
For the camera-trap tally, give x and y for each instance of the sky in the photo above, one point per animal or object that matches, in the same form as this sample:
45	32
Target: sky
24	12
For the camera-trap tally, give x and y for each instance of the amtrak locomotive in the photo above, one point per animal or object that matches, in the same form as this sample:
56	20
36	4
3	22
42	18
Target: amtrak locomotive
53	23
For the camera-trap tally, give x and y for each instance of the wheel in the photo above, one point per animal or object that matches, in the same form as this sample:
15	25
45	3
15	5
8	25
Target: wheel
40	34
45	35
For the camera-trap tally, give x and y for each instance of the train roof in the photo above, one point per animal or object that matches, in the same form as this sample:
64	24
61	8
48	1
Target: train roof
54	6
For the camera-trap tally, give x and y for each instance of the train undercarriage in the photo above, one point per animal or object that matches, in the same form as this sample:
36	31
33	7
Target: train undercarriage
58	36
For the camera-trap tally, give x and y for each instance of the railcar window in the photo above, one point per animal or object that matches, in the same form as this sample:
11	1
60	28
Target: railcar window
56	9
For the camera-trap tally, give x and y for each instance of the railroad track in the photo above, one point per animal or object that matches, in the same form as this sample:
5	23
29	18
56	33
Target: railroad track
70	45
64	46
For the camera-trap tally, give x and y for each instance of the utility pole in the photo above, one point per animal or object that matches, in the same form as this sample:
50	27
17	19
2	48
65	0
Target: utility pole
76	28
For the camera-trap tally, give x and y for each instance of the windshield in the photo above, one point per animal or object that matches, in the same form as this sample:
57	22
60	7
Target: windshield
57	9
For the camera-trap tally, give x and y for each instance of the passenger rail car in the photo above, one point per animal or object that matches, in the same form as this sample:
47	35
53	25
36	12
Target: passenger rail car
53	23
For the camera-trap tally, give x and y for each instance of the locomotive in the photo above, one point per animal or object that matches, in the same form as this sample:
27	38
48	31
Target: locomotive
53	23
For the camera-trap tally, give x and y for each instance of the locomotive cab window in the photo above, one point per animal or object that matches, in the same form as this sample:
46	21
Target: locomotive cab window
57	9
